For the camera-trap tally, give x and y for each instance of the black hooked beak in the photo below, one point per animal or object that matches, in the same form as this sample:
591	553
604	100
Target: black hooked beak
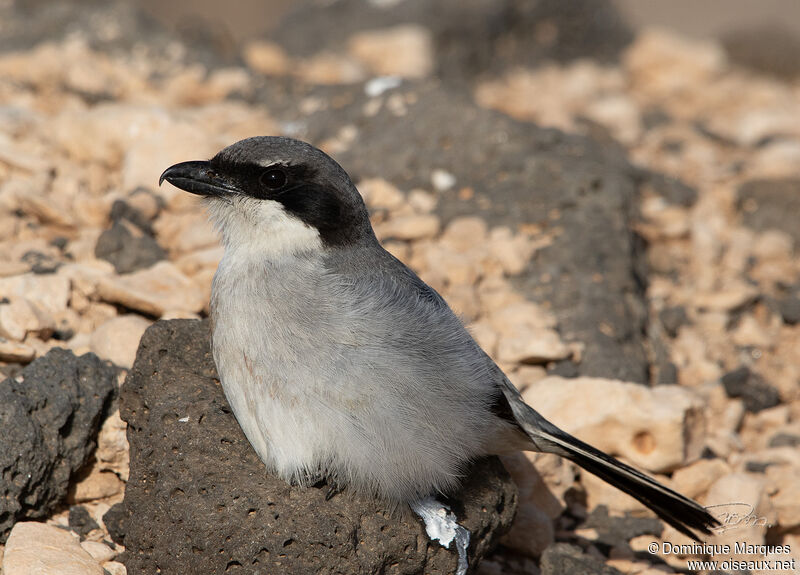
199	178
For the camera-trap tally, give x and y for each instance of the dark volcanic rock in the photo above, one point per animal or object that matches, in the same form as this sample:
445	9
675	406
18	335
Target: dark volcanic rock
471	37
520	174
49	418
771	204
200	501
616	531
751	388
563	559
80	521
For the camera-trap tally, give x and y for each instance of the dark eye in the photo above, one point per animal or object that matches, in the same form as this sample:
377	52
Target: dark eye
273	179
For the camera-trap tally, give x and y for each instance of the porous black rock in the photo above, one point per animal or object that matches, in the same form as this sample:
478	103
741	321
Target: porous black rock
50	414
199	500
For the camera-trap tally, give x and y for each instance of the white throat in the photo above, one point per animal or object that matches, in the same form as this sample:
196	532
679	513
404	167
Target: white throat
261	228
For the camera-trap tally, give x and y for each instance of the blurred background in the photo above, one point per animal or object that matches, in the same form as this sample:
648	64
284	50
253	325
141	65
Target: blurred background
606	191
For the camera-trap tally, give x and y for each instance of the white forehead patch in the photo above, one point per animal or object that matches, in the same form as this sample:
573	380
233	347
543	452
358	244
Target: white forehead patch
261	228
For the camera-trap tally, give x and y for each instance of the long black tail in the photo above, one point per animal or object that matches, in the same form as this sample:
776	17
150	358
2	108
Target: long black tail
679	511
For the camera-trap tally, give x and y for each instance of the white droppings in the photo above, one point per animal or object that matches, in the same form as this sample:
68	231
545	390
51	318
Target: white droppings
442	180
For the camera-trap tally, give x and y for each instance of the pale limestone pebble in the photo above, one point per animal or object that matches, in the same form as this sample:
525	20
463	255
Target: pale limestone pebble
46	550
484	335
21	155
727	298
96	485
118	339
81	248
381	194
775	160
153	290
185	232
195	86
49	292
496	293
422	201
93	315
464	235
761	333
112	447
785	494
80	343
199	260
599	492
512	251
19	317
413	227
619	113
666	69
406	51
525	375
689	353
266	58
457	268
724	415
695	479
463	300
531	533
521	313
526	334
15	249
758	428
341	141
16	352
741	503
115	568
667	223
327	68
552	95
400	250
543	480
180	314
657	428
99	551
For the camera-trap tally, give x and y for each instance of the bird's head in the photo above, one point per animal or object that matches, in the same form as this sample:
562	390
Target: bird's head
276	195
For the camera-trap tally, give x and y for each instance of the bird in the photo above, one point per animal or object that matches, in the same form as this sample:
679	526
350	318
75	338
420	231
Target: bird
340	363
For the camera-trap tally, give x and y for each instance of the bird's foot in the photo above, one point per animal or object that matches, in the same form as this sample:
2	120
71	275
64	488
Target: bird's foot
440	525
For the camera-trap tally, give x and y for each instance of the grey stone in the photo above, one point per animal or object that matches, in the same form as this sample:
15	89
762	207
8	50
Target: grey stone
50	414
128	252
771	204
766	49
673	318
751	388
563	559
790	309
616	531
521	174
199	500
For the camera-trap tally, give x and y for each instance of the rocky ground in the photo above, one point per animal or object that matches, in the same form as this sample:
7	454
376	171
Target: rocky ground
613	214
